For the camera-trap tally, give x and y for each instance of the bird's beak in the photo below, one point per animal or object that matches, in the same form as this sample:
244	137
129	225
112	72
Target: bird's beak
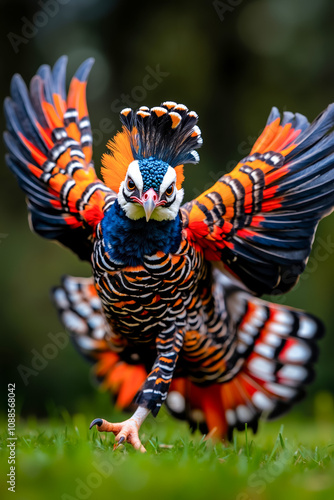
149	201
149	206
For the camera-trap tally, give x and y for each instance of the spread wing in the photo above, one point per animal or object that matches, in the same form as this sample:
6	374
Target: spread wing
259	220
49	144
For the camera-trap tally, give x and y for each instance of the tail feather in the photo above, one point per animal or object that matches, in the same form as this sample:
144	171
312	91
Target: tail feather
116	367
278	345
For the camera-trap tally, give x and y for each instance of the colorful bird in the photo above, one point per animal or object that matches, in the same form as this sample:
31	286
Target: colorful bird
172	314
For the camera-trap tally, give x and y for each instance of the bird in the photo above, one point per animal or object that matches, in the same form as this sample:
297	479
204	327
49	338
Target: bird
172	314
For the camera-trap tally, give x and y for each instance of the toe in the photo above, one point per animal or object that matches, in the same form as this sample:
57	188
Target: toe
105	426
124	431
136	443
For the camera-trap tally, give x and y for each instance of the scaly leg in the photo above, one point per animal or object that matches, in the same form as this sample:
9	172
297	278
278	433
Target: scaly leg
125	431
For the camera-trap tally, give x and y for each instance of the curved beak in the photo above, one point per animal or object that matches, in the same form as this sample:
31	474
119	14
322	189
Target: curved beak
149	201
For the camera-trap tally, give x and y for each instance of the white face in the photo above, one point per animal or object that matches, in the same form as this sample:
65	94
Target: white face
168	199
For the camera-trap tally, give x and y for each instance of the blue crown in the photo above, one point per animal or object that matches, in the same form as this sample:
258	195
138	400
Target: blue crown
153	171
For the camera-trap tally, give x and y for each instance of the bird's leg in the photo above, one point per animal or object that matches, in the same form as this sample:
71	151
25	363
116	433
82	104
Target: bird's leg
125	431
156	386
153	392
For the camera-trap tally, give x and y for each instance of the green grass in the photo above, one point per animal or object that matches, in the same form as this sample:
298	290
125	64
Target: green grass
60	458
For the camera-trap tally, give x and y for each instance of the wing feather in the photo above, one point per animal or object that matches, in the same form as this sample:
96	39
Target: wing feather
263	215
49	144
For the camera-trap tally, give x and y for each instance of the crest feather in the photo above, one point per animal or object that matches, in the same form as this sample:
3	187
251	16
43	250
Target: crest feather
115	164
167	132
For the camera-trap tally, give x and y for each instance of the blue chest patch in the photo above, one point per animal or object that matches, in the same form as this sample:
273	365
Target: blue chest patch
153	171
128	240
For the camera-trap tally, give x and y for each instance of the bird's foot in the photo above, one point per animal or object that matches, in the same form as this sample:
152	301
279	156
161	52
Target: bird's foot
126	431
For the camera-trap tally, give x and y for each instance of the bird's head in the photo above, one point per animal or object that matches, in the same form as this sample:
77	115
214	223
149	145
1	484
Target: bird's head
149	190
145	164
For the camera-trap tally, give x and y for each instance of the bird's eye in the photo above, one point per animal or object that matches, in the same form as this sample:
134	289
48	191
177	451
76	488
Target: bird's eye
130	184
170	190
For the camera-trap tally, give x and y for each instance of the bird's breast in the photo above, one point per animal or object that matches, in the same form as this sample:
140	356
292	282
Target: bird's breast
141	301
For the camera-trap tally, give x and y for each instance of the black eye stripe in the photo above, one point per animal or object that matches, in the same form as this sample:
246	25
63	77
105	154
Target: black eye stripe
127	197
169	203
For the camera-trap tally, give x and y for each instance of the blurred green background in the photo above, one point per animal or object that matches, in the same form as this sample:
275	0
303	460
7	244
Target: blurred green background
229	61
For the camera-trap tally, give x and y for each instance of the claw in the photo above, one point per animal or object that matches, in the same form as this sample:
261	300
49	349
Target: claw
126	431
96	421
121	440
